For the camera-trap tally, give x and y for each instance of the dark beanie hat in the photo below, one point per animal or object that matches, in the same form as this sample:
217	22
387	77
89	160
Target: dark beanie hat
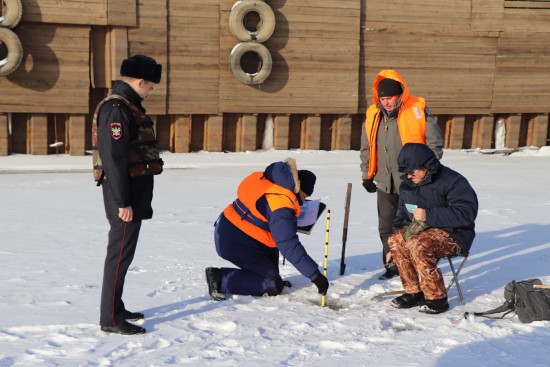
141	67
388	88
307	181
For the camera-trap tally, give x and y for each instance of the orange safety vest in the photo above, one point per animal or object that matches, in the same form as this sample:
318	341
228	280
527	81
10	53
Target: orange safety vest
243	213
411	119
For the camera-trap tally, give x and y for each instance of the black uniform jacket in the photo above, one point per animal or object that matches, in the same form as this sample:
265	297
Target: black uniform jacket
116	128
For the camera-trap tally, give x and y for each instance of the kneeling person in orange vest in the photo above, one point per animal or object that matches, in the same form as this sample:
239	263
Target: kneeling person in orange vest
253	229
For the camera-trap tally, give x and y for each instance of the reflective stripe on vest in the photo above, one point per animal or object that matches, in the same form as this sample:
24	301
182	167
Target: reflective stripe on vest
411	123
251	189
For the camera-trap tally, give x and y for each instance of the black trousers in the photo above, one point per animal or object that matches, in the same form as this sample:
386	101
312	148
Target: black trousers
123	239
387	209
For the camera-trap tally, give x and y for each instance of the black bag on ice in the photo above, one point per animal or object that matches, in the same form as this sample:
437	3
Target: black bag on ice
525	300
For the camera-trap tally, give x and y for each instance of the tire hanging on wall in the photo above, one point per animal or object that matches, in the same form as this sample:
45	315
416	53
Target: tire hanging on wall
265	62
13	11
236	20
15	51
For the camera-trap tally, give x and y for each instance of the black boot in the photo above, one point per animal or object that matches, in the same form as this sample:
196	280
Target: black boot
391	271
435	306
408	300
133	316
124	328
214	280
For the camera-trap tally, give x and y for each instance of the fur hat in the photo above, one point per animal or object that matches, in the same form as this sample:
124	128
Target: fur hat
307	181
389	88
141	67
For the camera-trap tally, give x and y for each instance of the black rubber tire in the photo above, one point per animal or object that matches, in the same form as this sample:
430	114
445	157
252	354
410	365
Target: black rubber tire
236	20
11	62
13	12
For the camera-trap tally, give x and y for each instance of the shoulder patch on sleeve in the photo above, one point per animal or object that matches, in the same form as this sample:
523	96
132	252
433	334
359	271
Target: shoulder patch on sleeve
116	130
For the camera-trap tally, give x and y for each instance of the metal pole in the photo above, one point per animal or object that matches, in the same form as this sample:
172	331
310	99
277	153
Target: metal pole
323	298
345	231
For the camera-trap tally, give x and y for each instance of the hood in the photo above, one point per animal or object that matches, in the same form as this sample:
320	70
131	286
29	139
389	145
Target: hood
415	155
284	174
389	74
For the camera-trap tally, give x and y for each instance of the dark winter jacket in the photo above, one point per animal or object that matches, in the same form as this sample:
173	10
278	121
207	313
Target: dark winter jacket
449	200
282	224
120	190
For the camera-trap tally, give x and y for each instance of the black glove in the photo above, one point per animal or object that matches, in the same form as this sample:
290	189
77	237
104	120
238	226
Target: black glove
322	284
369	185
286	283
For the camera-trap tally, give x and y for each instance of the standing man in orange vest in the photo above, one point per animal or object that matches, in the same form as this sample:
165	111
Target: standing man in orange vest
253	229
395	118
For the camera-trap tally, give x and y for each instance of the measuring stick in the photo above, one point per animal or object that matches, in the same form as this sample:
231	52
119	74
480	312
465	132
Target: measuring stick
325	265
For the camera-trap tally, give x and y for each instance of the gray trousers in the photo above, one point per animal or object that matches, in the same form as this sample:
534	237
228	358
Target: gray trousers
387	209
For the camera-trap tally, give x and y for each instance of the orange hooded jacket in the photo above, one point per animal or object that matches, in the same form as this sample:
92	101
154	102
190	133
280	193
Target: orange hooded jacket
411	119
243	213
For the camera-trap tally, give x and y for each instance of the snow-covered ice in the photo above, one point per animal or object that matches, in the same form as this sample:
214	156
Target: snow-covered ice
53	239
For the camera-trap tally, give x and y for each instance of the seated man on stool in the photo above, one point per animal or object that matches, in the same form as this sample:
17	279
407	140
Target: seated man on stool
435	219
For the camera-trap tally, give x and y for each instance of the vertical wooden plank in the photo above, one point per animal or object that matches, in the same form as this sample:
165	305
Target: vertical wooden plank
213	133
118	52
341	133
4	135
100	58
230	127
181	134
538	131
442	123
77	135
326	131
246	132
513	127
484	128
19	123
58	134
281	131
454	136
357	127
295	131
37	134
311	133
162	130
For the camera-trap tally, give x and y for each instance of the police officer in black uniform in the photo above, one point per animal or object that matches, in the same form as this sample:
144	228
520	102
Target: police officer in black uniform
127	184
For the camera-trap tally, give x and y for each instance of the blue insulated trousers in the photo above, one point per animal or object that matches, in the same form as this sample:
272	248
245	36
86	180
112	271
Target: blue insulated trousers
258	265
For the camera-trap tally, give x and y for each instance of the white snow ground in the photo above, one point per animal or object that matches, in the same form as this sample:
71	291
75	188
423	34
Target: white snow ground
53	238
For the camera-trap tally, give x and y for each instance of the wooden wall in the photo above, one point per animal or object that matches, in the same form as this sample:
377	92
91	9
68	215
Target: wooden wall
54	76
194	56
89	12
473	60
314	49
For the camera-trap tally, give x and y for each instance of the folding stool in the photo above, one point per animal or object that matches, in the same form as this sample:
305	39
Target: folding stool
455	273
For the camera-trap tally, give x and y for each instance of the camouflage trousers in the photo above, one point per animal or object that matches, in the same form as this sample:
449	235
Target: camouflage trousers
417	259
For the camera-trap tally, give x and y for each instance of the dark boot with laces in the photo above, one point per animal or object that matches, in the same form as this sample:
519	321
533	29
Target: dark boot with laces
408	300
435	306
